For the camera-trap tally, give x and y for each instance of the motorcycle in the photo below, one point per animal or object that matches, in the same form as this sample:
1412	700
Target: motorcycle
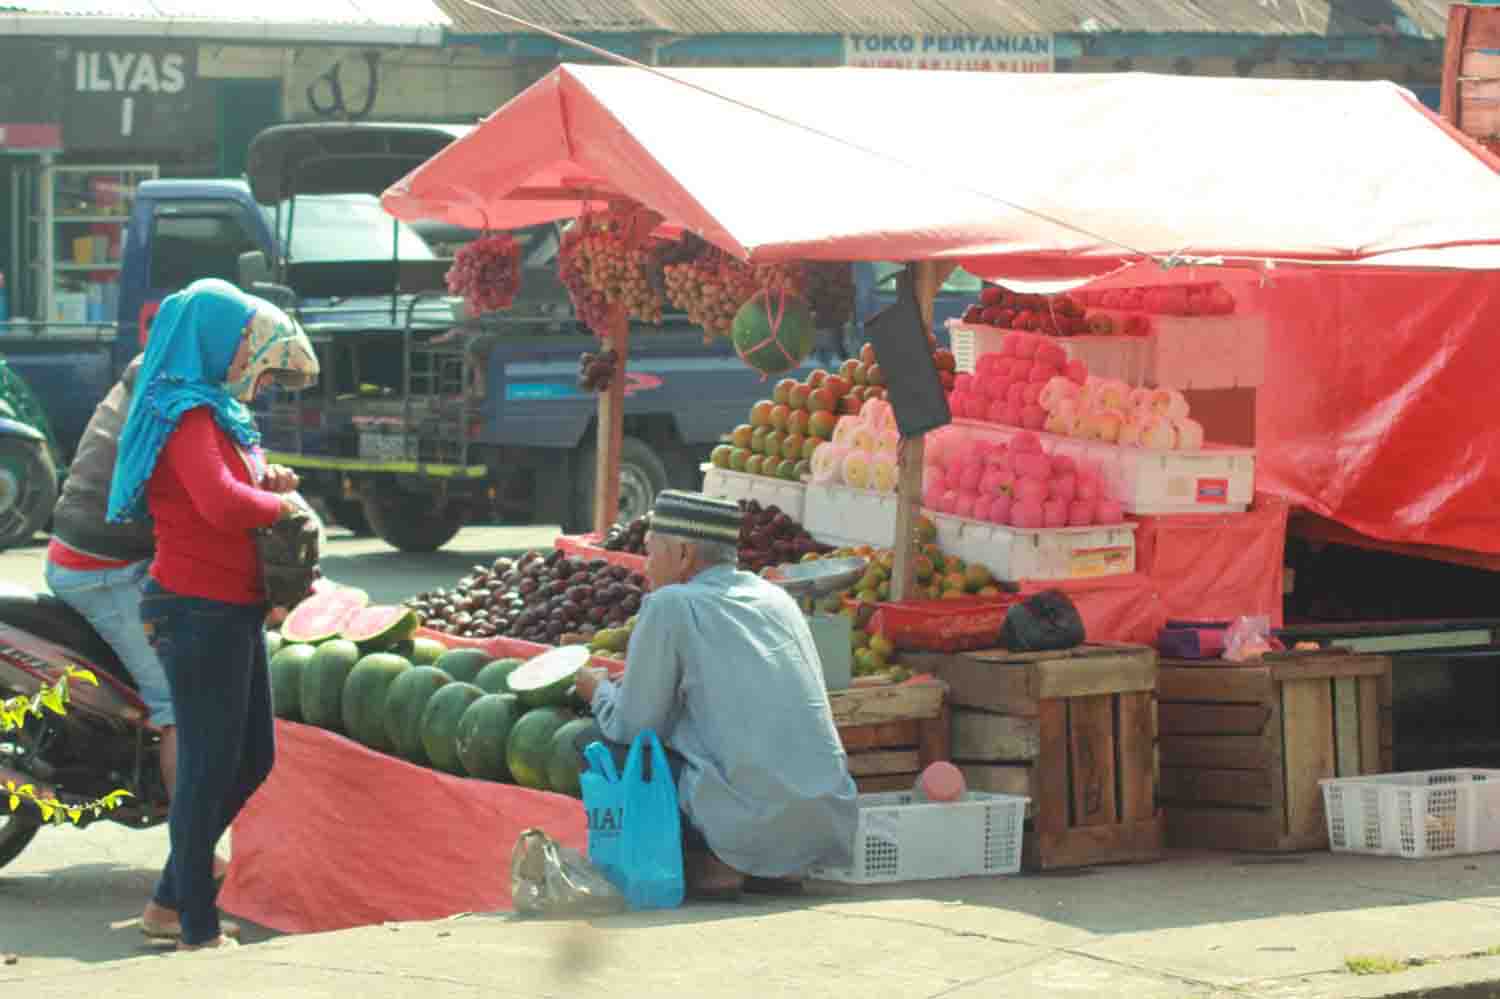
103	742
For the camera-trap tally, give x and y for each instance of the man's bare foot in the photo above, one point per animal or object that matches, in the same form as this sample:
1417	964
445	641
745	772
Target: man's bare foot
708	877
219	941
160	923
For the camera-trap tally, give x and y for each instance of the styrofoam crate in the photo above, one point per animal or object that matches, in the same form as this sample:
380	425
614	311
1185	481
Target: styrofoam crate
789	497
1014	553
1203	352
901	839
840	515
1415	815
1215	479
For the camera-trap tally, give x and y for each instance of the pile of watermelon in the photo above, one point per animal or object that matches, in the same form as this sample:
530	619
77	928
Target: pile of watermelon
360	670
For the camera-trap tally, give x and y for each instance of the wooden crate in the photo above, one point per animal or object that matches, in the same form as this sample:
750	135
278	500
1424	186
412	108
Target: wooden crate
1243	747
1075	731
891	732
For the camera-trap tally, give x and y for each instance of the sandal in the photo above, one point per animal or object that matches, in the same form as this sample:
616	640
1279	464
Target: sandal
222	940
173	930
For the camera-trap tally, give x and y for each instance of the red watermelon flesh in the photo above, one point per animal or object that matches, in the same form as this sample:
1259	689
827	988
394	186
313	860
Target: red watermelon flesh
380	626
322	615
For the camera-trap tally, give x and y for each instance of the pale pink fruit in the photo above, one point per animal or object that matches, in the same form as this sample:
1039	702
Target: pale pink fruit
968	479
958	402
1189	434
999	456
1109	512
1080	513
1113	394
1025	444
1030	465
1063	465
1000	509
1052	354
1062	487
1056	392
1012	415
964	383
949	501
933	477
1026	346
1130	431
1027	515
996	411
1086	488
1158	434
1077	371
1109	426
1033	417
1041	374
986	364
992	481
1055	513
1031	491
965	505
982	505
1015	394
932	496
1032	395
1060	423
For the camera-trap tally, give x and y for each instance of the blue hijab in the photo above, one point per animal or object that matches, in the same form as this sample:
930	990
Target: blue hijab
192	344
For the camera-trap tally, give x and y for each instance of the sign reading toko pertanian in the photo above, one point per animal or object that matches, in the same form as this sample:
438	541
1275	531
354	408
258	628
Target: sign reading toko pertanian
982	53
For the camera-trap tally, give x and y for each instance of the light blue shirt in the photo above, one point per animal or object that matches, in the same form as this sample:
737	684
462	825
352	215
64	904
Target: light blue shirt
724	668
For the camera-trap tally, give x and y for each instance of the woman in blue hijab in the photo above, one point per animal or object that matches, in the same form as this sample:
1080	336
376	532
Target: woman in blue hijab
188	455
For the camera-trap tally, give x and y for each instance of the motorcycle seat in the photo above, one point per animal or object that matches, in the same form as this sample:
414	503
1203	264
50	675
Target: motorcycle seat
49	618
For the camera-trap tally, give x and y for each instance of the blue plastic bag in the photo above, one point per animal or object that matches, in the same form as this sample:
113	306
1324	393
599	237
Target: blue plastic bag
650	845
604	804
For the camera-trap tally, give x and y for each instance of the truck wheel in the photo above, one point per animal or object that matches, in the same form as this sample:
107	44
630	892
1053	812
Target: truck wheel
350	515
642	475
412	523
28	488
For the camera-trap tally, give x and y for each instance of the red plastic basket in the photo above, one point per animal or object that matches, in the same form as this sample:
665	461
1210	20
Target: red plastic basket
586	546
943	625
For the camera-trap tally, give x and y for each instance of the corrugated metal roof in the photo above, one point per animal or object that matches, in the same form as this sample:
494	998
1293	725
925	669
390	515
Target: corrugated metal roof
353	12
1340	18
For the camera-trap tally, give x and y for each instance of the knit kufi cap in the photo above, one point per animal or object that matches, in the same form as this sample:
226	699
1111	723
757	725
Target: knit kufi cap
695	516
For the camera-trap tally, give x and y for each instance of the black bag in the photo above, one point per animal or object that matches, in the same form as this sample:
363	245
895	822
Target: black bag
289	551
1043	623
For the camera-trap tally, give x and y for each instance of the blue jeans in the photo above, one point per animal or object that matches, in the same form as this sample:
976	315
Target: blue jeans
110	600
215	659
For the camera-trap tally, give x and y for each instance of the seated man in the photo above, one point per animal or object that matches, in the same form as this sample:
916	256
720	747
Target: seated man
722	665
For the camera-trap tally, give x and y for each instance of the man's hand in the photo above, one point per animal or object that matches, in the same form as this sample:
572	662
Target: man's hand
279	479
276	616
588	681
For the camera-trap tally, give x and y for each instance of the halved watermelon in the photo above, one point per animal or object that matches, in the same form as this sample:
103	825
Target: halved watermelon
322	615
547	679
379	627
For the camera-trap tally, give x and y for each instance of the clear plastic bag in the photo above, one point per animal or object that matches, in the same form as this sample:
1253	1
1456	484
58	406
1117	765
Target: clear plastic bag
549	879
1249	638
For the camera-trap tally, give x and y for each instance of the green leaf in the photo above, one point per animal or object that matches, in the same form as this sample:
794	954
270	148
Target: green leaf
82	674
75	814
46	808
15	802
53	700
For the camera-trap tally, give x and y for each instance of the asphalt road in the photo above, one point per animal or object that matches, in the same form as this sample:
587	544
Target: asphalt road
71	899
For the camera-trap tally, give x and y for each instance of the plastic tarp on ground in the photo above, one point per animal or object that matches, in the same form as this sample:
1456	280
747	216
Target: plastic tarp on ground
342	836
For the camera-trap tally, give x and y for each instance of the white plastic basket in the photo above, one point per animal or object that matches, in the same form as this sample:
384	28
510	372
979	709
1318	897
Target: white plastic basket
842	515
1045	553
789	497
1416	815
900	839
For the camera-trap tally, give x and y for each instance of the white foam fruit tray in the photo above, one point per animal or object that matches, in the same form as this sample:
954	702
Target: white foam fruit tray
900	838
843	516
1014	553
789	497
1415	815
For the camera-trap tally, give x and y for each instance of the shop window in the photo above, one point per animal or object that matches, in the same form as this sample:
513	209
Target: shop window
197	241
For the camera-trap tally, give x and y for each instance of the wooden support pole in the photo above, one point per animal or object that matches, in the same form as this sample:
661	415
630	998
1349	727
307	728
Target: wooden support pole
611	430
927	277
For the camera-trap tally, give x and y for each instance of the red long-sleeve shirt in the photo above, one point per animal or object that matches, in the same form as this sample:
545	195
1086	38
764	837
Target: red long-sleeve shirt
204	507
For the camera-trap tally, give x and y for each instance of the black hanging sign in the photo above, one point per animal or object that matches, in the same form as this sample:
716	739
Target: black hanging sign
899	337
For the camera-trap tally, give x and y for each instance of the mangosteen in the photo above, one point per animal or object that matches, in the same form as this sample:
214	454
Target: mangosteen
526	587
598	613
617	615
580	594
462	619
557	587
553	556
631	604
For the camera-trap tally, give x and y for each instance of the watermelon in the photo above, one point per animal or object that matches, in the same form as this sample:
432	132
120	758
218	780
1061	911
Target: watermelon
547	679
377	628
322	615
564	761
492	678
323	684
484	733
463	664
440	724
273	643
286	680
426	651
773	333
405	703
528	751
363	701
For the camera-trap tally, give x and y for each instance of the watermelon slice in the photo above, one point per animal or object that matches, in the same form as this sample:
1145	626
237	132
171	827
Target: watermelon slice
322	615
379	627
547	679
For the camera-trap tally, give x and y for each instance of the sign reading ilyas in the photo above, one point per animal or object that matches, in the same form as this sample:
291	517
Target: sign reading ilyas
1024	53
137	95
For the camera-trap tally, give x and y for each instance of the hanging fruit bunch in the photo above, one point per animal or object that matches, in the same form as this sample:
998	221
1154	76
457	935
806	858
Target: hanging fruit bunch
828	289
605	264
710	286
597	371
486	273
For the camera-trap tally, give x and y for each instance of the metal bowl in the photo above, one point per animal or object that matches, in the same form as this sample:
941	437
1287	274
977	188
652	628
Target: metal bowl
819	578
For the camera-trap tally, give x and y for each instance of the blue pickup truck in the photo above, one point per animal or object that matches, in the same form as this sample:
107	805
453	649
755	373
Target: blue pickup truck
424	420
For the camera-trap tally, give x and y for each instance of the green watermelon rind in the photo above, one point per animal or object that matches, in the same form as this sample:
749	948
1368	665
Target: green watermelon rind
405	703
342	603
363	701
541	693
286	668
752	327
440	725
426	651
481	750
495	674
378	627
528	750
564	762
464	665
323	682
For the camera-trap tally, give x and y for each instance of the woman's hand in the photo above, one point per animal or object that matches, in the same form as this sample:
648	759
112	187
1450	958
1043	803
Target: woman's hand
279	479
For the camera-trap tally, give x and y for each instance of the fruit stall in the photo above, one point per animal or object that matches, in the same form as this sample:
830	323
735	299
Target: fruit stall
1070	439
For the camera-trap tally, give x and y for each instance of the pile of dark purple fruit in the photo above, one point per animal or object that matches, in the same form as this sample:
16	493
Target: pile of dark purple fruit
596	371
545	597
629	537
770	537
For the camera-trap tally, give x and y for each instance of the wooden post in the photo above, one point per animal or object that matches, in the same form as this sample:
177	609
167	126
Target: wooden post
927	277
611	430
